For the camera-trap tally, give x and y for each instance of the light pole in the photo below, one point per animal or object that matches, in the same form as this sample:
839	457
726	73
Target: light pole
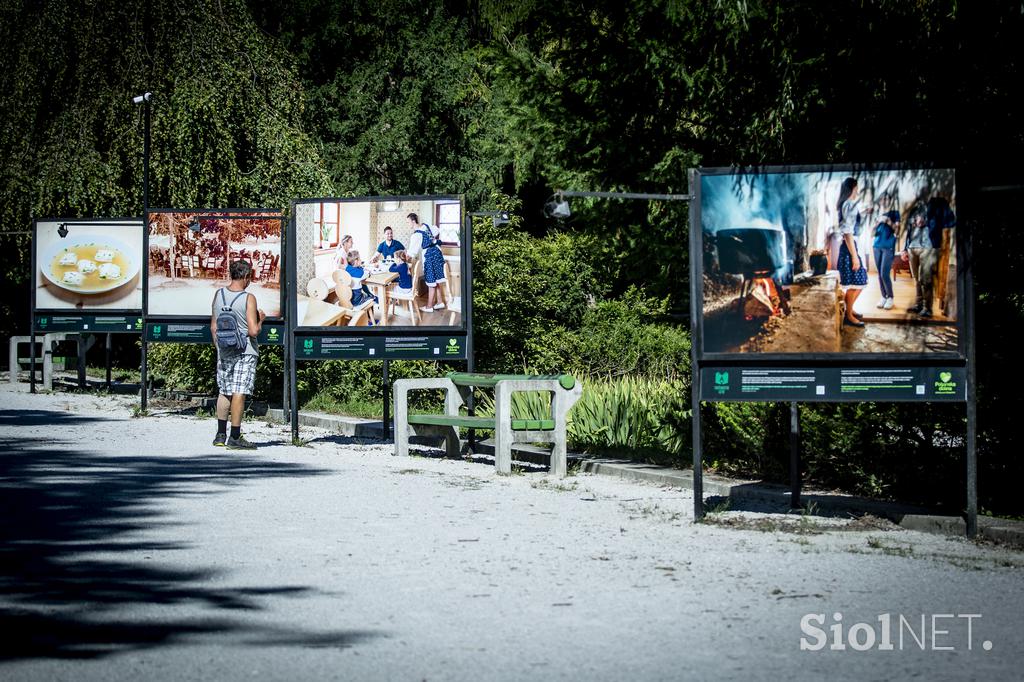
144	100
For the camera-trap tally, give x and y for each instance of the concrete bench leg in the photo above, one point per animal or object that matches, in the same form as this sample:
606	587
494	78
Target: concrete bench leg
48	341
401	398
561	402
503	427
452	444
13	356
452	403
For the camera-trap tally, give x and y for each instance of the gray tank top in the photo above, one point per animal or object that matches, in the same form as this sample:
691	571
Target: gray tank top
237	304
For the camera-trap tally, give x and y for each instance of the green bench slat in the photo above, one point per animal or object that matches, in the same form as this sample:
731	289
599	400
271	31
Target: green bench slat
445	420
481	422
567	381
533	424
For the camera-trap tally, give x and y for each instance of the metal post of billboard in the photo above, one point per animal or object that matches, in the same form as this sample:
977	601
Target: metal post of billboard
32	327
144	99
467	310
83	345
972	389
32	359
385	416
794	455
291	311
695	341
286	345
467	307
109	342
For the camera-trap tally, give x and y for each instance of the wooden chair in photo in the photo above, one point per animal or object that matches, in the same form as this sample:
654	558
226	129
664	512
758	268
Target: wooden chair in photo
266	265
209	267
275	270
190	265
407	296
358	315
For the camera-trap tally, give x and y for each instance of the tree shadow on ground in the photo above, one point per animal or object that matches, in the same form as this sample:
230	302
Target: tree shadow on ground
75	579
339	439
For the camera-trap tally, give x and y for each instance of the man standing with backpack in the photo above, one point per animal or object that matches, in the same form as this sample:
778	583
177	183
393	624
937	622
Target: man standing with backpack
235	323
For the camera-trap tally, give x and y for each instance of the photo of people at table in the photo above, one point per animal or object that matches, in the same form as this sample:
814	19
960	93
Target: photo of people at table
379	263
836	260
189	256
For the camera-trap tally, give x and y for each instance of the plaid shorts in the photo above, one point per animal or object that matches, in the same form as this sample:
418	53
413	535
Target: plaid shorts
236	374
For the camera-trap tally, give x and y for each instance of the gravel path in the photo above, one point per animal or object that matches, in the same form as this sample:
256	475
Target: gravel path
132	550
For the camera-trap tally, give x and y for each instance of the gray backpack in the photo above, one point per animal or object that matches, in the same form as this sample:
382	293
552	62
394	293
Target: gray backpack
230	337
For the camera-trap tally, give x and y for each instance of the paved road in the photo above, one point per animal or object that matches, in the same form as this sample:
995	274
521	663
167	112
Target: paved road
134	550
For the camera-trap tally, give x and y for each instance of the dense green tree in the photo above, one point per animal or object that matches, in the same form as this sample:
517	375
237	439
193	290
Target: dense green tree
226	121
506	101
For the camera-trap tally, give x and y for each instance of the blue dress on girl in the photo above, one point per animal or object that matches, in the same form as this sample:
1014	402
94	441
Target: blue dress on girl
433	259
404	276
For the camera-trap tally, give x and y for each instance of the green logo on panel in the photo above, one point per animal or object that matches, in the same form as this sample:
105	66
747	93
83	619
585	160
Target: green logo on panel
273	333
453	347
721	382
157	330
945	385
138	323
308	344
42	321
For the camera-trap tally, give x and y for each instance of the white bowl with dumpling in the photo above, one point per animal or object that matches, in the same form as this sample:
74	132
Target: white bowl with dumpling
89	263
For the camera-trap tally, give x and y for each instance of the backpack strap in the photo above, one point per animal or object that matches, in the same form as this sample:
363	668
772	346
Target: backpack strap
240	294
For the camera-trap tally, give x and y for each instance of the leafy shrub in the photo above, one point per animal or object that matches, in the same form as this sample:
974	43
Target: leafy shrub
351	387
623	337
527	291
193	367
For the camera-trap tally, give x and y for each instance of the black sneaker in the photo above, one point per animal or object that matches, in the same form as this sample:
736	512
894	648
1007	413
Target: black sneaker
916	310
925	313
240	443
220	439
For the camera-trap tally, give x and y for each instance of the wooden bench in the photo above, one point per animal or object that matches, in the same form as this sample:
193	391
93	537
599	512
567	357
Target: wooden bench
564	390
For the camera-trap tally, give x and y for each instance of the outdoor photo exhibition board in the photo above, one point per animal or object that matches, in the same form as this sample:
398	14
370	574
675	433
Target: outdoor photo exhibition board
87	275
188	255
828	284
380	278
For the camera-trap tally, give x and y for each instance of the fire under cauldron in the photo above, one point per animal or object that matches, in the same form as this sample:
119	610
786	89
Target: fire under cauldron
755	253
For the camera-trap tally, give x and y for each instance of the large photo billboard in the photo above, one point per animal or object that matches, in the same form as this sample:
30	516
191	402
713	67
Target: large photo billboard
845	261
88	265
381	262
190	251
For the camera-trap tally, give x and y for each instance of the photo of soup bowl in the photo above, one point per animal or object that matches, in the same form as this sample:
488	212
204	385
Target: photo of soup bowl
89	264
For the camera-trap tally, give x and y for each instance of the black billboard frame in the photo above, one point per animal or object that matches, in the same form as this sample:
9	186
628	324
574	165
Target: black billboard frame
127	312
964	357
852	358
295	332
209	213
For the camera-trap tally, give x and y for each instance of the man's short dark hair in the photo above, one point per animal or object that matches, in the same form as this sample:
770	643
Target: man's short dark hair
388	229
239	269
413	217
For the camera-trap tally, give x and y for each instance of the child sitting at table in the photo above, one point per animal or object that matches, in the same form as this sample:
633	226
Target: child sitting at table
360	292
401	266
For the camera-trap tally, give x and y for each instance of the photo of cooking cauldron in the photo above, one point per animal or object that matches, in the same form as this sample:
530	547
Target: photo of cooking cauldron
828	261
